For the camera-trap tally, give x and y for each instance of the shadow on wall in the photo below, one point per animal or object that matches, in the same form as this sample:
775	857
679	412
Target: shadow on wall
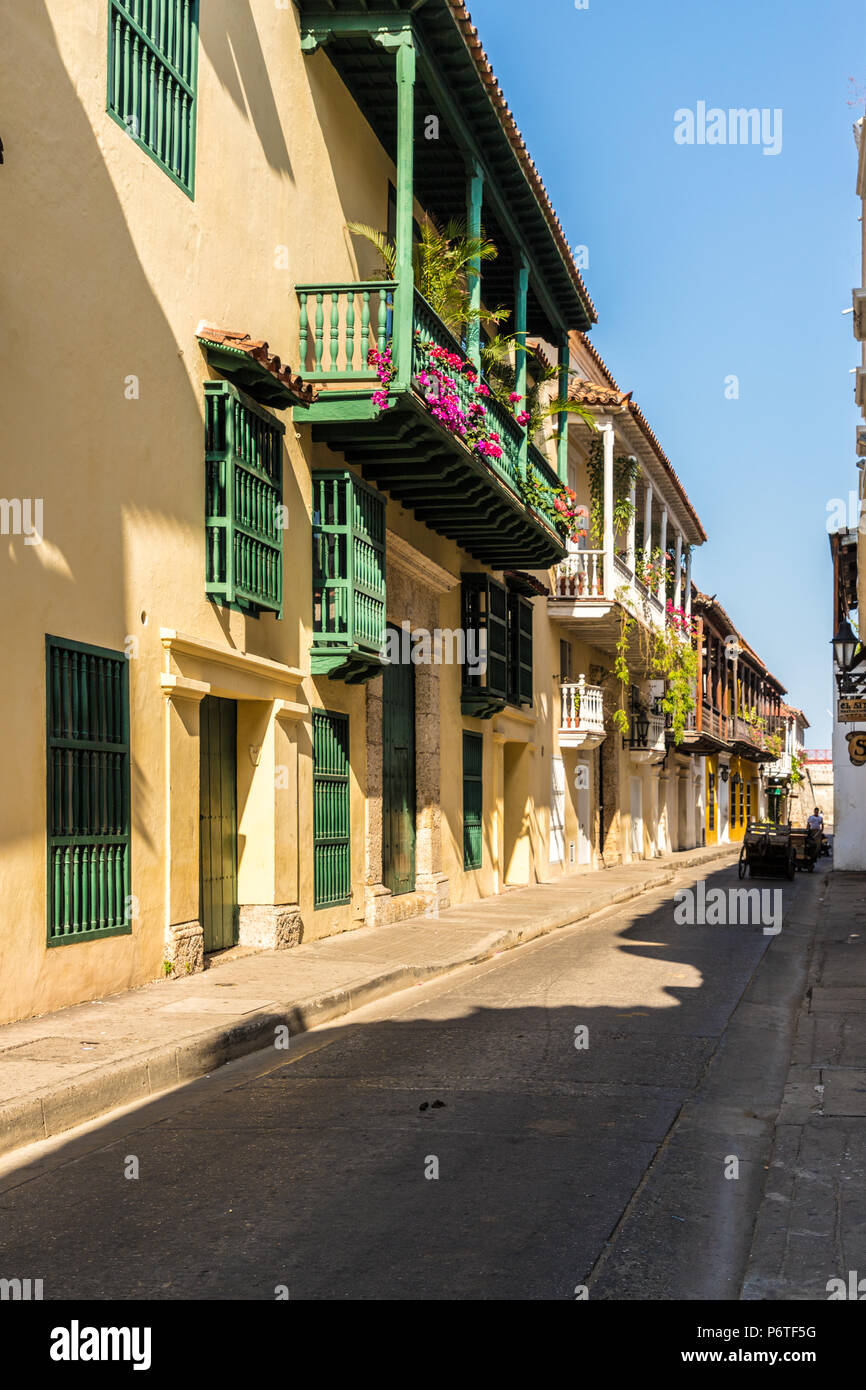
229	29
80	321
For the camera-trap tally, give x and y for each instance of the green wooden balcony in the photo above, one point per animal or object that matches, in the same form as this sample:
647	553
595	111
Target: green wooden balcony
243	495
472	499
348	577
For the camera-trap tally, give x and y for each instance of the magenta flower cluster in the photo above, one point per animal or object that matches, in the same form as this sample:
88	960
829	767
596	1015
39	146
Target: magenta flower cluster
441	392
385	371
679	620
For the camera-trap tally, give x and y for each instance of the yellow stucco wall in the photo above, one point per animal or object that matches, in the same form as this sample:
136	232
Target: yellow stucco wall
114	269
101	396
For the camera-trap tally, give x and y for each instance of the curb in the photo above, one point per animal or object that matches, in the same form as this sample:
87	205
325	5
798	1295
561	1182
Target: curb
146	1074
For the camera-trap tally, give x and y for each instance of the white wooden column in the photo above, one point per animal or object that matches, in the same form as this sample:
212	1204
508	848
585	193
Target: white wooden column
606	426
688	581
678	591
663	545
632	525
648	521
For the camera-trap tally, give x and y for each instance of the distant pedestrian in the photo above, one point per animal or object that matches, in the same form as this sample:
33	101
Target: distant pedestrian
815	824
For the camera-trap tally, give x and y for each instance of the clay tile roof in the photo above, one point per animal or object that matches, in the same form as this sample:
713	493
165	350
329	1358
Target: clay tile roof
293	386
709	603
470	37
590	393
526	584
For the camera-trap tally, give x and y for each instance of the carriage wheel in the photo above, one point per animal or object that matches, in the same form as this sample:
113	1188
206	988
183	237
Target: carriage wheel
743	863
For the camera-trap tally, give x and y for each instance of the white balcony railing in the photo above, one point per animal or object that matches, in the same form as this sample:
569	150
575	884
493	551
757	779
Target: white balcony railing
582	717
781	768
581	575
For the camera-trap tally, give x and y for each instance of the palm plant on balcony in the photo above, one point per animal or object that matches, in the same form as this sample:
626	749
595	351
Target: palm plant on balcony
444	268
626	471
499	359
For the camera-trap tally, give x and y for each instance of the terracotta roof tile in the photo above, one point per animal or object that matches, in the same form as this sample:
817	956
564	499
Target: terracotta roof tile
259	351
613	398
470	37
708	603
590	393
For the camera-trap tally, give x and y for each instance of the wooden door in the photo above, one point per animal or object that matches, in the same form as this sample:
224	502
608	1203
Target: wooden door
398	777
218	824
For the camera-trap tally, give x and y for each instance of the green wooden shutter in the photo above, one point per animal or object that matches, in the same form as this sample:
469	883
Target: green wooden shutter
332	878
473	800
497	639
523	637
152	71
88	803
348	577
484	606
243	496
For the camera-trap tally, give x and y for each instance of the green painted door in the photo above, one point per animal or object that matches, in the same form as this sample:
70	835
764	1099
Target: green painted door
398	777
218	824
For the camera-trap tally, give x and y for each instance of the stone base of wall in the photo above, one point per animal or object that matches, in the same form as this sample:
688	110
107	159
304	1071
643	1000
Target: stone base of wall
432	895
269	928
184	949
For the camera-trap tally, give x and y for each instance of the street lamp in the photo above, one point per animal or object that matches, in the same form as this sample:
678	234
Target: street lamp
846	647
641	725
724	774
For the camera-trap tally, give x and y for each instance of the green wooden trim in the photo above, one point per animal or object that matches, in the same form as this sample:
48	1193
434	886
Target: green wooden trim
473	800
474	204
521	292
332	843
249	376
404	295
562	440
87	785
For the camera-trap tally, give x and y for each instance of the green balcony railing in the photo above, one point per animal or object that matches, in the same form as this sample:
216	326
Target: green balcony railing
542	467
339	324
429	329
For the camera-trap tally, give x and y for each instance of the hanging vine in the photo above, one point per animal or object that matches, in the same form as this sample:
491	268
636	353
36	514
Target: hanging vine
625	475
675	661
620	665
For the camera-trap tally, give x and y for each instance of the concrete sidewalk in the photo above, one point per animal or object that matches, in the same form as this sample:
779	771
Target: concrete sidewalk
62	1069
812	1224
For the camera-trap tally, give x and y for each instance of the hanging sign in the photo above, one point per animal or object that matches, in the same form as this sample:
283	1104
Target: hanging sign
857	748
852	710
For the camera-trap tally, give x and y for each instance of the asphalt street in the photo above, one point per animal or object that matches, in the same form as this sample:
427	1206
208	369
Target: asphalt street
560	1118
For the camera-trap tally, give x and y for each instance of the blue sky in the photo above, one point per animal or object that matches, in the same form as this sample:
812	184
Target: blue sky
711	261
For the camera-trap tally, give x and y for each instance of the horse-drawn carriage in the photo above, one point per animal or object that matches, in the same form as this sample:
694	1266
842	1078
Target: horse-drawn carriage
771	848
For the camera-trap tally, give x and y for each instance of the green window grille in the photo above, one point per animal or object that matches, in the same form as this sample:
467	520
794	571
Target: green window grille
349	617
332	876
473	800
152	68
500	623
243	501
88	819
